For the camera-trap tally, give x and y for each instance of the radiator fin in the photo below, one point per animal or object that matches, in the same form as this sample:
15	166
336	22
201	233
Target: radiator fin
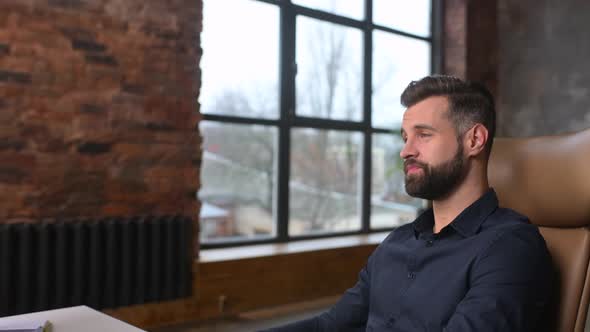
104	263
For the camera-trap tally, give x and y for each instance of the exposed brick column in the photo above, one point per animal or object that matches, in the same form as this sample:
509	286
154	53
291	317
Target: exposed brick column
471	41
455	38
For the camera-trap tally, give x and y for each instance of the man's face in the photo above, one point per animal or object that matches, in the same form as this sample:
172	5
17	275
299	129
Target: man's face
434	163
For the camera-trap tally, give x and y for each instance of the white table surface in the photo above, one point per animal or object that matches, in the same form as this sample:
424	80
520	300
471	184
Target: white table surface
74	319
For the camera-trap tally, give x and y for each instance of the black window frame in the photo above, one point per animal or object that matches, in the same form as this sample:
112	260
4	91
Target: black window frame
287	118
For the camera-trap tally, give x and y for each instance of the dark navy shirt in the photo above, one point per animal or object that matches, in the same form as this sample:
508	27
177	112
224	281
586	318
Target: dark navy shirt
488	270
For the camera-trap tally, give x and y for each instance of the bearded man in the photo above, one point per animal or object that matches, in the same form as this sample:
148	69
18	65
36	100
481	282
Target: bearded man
465	264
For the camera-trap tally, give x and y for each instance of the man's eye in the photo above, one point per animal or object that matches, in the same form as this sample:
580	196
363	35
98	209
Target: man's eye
424	135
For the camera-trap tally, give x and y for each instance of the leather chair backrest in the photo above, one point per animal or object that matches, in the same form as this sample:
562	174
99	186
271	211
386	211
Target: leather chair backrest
547	178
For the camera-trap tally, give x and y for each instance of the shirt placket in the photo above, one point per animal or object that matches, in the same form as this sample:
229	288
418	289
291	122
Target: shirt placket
411	266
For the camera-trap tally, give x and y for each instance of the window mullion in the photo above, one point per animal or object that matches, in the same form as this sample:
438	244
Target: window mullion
367	104
287	103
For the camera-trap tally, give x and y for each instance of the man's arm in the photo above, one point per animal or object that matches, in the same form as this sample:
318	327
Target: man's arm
510	286
350	313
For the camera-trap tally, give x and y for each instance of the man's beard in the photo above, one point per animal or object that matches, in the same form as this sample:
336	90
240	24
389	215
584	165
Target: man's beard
435	182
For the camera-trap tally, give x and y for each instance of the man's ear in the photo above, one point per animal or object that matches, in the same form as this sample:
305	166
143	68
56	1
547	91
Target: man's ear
476	139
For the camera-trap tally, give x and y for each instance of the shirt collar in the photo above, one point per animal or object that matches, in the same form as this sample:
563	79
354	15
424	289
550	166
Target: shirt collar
468	222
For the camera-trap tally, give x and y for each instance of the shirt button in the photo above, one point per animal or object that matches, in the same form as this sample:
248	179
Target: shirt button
390	322
411	275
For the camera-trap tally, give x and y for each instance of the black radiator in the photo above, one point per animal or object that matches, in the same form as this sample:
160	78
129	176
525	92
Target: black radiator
103	263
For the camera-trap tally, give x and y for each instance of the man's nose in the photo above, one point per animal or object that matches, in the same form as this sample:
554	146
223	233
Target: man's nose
408	150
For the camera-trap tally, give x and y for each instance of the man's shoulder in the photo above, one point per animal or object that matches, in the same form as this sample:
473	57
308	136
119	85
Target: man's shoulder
507	228
505	219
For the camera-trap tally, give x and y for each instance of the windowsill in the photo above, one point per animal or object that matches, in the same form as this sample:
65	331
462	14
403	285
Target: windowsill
275	249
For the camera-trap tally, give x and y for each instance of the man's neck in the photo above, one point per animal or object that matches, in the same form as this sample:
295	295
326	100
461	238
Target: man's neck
447	209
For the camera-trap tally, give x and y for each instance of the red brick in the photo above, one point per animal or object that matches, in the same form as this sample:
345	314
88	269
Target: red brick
143	107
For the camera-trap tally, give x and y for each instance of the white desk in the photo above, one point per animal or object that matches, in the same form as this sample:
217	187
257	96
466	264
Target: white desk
74	319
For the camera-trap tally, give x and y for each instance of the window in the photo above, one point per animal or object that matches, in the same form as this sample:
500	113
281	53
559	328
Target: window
301	116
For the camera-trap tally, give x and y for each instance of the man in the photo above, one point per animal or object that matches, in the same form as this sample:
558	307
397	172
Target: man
463	265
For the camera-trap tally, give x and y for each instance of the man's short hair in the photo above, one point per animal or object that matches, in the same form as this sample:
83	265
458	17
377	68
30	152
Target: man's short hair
469	102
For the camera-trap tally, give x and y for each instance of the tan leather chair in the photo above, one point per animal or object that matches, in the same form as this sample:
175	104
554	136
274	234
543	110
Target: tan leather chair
547	178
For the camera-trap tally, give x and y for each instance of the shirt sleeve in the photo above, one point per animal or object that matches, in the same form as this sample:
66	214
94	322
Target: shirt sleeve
349	314
510	286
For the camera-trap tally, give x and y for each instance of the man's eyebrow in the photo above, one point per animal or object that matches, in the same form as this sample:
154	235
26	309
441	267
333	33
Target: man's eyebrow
418	127
424	126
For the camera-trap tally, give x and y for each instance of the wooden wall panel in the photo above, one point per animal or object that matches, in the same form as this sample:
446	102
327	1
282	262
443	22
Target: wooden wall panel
255	283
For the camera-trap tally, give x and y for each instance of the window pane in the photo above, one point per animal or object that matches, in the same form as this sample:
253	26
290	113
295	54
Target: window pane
324	183
390	205
329	80
350	8
397	60
412	16
237	181
240	58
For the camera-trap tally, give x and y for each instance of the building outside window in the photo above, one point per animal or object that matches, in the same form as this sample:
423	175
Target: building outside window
301	116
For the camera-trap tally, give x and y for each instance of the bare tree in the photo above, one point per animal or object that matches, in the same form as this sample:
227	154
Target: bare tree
253	147
332	70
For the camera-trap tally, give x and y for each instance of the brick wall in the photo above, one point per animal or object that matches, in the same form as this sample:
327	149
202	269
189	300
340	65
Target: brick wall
98	107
